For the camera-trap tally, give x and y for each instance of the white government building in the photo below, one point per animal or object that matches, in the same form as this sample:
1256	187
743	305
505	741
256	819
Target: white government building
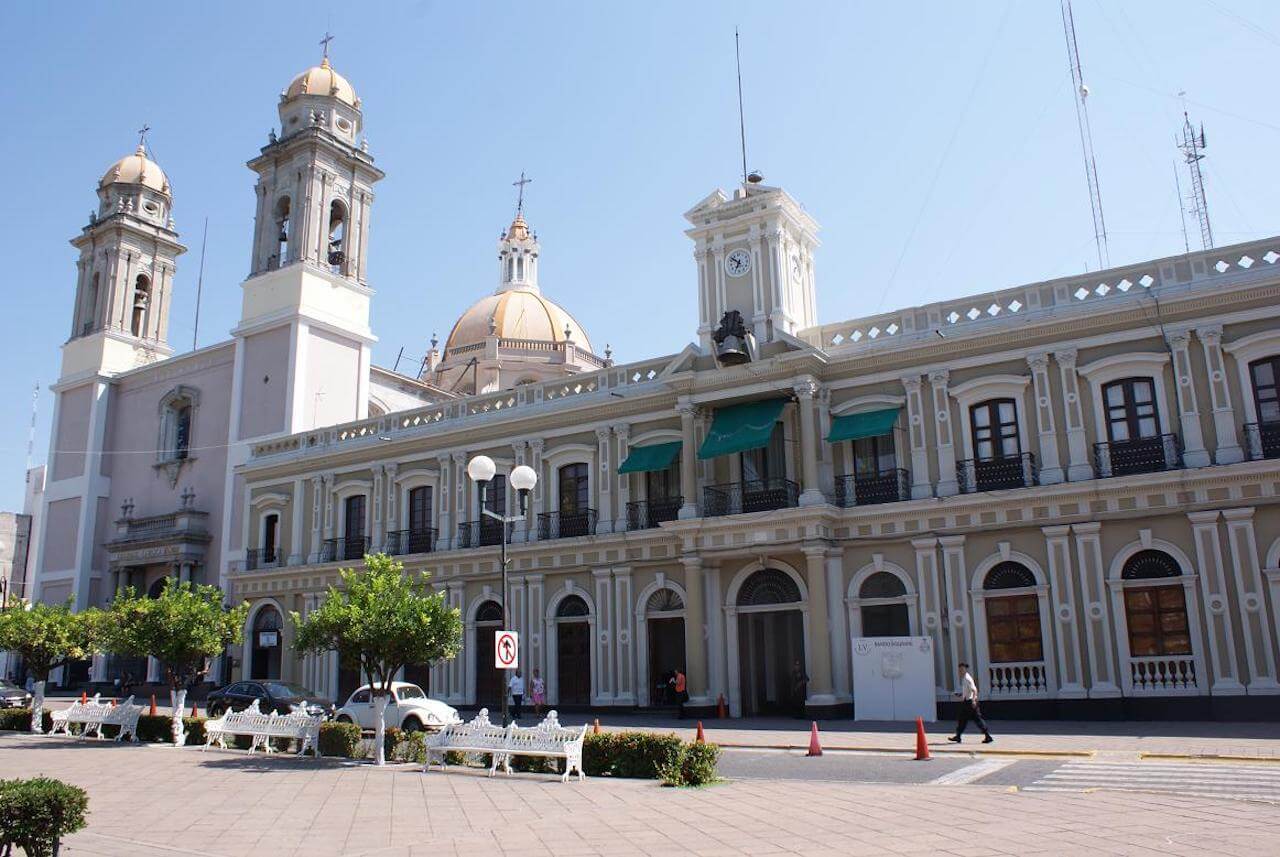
1071	484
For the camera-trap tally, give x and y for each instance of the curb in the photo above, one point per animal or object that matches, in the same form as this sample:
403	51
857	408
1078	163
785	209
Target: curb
1210	757
954	751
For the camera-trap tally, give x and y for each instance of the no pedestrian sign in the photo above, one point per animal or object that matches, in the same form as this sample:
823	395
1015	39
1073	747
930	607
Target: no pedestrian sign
506	650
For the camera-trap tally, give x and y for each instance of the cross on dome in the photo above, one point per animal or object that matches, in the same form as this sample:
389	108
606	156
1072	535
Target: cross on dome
520	197
324	43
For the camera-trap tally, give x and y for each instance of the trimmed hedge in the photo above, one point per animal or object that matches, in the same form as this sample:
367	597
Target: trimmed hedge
649	756
35	814
340	739
19	720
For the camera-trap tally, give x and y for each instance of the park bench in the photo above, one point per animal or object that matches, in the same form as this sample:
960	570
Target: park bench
548	739
87	714
125	715
260	728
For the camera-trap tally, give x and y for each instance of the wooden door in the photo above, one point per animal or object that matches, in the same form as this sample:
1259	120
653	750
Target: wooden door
573	663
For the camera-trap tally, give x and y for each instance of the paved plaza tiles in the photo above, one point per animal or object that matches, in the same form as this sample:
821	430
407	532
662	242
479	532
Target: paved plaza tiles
154	801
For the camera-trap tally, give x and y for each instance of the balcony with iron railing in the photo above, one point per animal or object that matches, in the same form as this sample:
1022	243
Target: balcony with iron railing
344	549
567	525
1137	455
996	474
867	489
258	558
647	514
755	495
1262	440
400	542
479	534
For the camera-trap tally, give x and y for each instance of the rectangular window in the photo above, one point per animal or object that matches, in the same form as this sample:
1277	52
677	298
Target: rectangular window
1131	409
420	509
573	489
270	531
663	484
767	462
353	516
873	455
995	430
1013	629
1266	388
1157	620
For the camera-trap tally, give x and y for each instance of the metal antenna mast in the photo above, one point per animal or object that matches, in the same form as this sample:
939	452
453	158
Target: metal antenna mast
31	434
742	122
1182	211
1192	146
204	239
1086	136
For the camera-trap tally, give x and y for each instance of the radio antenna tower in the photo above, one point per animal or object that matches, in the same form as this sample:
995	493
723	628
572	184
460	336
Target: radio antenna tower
1086	136
31	433
1192	146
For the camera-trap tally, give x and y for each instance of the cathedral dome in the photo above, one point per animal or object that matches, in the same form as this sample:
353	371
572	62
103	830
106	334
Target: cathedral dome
322	80
136	169
517	313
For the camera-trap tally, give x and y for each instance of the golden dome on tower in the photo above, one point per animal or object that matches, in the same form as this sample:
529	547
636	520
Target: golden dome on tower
136	169
519	230
322	80
517	313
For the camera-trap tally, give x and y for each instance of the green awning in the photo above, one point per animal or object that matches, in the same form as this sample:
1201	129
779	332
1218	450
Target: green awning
658	456
738	428
866	424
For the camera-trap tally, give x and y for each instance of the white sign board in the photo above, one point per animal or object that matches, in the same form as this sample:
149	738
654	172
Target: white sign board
893	679
506	650
267	639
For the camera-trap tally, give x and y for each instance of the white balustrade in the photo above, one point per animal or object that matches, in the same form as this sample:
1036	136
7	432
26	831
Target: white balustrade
1164	675
1019	679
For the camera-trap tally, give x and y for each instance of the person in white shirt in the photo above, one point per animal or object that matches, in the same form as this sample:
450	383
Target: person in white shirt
516	686
968	694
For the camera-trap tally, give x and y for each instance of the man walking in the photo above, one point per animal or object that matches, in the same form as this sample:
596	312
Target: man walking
968	694
516	687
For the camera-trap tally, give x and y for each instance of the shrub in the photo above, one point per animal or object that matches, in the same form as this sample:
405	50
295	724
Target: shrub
698	767
340	739
392	736
35	814
634	755
535	765
412	748
19	719
453	757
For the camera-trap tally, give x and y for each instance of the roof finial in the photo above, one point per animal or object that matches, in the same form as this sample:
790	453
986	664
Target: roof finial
324	43
142	138
520	197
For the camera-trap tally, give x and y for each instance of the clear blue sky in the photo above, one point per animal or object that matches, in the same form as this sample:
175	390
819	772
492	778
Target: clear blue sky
935	143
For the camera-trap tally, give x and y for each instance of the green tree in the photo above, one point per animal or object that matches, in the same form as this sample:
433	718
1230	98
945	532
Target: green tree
379	620
47	636
187	625
35	814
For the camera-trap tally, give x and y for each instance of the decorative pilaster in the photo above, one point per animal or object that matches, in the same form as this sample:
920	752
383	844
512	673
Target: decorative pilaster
826	451
447	530
947	484
921	486
811	495
391	520
1194	454
1228	450
624	687
955	574
462	507
520	529
604	476
1251	601
1213	591
716	683
1066	630
838	617
605	642
622	431
539	490
378	536
931	609
456	692
1097	628
820	688
535	647
1050	467
695	640
688	460
1079	467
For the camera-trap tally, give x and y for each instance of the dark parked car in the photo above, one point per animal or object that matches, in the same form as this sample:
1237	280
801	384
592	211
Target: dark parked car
12	696
275	696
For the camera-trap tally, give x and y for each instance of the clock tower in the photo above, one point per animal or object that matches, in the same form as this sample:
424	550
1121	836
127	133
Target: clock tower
755	255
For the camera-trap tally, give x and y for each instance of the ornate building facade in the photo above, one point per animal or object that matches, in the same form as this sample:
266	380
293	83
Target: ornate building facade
1072	484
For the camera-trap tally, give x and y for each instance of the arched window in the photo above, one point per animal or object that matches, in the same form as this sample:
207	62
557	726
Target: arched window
177	422
1013	621
337	234
572	607
182	432
768	586
664	601
281	254
141	303
884	610
489	611
882	584
1156	615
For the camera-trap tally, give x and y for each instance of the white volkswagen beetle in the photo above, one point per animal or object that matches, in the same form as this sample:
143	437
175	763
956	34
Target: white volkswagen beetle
409	709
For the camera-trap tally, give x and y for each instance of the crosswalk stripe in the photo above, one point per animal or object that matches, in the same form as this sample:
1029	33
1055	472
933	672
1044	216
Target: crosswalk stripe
1176	778
1148	766
1215	781
1137	788
969	773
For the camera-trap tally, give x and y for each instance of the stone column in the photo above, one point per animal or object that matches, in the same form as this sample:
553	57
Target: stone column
624	685
462	505
1251	599
811	495
826	451
695	643
947	484
716	683
298	508
1077	442
1225	429
932	609
1194	454
535	646
838	617
1098	630
378	537
921	486
622	431
1050	467
819	643
604	476
447	530
317	516
457	679
957	589
1213	591
1066	630
688	461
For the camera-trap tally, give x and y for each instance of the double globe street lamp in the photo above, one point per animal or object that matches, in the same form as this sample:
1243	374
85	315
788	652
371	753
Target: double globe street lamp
481	470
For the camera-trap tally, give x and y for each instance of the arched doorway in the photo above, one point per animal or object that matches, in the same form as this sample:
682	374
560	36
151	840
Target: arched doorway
573	651
664	627
1158	623
770	643
268	627
882	606
488	677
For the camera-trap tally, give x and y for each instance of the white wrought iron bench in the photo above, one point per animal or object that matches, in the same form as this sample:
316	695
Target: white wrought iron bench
260	728
125	715
87	714
548	739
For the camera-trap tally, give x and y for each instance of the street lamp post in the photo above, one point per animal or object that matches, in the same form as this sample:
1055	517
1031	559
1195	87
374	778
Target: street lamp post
481	470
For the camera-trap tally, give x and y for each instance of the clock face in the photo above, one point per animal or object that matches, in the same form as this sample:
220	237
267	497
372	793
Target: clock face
737	263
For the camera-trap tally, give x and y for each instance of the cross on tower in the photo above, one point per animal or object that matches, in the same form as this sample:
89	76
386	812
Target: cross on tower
520	198
142	134
325	43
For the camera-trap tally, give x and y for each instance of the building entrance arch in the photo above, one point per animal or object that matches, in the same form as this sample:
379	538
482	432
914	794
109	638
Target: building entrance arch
772	661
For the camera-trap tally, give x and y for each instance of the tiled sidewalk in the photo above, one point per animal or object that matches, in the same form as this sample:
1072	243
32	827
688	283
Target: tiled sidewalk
152	801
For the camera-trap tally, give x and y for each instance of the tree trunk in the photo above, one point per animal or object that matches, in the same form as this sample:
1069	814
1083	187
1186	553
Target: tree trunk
380	728
37	708
178	699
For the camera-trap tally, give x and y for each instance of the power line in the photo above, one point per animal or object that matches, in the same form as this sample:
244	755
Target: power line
1086	136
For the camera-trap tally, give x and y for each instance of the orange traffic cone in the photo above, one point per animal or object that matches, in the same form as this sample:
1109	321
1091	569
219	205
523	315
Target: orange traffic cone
701	737
721	711
815	749
195	712
595	730
84	697
152	712
922	743
113	703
